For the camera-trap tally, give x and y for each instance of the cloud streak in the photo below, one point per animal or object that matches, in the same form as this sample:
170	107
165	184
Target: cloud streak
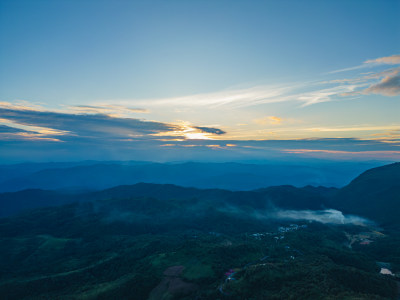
108	109
305	93
388	60
72	147
236	99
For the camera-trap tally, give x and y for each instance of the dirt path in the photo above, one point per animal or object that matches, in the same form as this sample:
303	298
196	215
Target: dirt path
62	273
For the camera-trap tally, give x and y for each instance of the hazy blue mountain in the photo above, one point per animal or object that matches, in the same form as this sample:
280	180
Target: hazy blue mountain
15	202
285	197
230	176
375	194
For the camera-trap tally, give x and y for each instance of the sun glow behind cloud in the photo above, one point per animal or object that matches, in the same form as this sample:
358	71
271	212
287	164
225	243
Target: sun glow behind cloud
197	136
185	133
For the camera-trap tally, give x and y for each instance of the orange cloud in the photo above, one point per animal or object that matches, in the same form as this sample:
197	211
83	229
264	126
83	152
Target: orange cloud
389	60
270	120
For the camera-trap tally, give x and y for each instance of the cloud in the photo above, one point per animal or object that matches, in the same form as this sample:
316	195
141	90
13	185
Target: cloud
210	130
77	148
388	86
363	66
8	129
112	127
328	216
350	129
305	93
272	120
386	83
327	94
13	133
112	110
389	60
342	154
234	98
101	126
333	147
386	60
109	133
85	124
275	120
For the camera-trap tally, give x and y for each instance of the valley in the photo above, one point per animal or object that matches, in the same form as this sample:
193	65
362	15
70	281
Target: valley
149	241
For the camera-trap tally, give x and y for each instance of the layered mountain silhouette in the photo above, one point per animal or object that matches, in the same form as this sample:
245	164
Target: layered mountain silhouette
230	176
375	194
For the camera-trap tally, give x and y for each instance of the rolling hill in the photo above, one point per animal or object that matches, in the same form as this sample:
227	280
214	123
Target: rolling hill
374	194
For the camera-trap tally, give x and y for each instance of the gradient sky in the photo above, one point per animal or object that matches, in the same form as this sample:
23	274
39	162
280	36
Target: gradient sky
199	80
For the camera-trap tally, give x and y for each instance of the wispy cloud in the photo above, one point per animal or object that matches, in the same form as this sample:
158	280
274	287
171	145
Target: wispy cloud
108	109
317	92
171	148
363	66
328	216
384	82
389	60
338	154
386	60
230	97
351	128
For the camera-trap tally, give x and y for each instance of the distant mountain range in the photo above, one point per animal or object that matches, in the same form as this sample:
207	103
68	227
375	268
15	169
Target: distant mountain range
374	194
92	175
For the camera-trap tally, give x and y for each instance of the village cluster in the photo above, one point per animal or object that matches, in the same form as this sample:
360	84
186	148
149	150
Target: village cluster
280	234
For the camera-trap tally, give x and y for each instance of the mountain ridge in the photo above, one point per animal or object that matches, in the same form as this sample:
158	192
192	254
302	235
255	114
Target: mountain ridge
379	187
229	176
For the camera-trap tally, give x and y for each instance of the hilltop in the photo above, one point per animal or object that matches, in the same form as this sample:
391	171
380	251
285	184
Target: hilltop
374	194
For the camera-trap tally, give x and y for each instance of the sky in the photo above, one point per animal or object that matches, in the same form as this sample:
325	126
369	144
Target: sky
199	80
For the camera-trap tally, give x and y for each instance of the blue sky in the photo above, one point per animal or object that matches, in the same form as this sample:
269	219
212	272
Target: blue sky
162	80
